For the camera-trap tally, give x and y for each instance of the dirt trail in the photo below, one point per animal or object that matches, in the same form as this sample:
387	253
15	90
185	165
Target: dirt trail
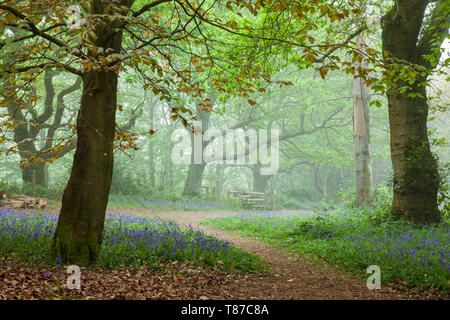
292	277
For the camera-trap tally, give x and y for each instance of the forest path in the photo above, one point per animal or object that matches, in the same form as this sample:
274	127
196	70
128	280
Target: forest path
291	277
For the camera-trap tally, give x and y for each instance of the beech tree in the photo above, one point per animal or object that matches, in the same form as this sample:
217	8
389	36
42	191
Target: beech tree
411	48
92	48
412	36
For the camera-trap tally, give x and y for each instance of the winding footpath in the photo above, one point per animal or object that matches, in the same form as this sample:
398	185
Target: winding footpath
291	277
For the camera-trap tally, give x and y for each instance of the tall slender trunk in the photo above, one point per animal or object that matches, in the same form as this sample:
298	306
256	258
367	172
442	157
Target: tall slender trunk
361	135
219	180
151	152
342	179
168	167
324	185
416	177
151	166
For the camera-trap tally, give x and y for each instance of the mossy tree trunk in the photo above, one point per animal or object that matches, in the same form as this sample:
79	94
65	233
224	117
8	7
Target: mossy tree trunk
416	177
79	232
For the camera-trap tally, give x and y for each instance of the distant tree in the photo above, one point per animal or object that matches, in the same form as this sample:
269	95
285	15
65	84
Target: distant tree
361	134
31	126
195	172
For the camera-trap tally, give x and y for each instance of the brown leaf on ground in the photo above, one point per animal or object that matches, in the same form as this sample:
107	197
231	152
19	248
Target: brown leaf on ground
291	277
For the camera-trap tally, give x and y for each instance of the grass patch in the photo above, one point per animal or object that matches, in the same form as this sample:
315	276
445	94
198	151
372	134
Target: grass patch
171	203
129	240
415	256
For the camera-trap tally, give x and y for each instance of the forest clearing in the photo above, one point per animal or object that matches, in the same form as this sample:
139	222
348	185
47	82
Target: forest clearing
224	150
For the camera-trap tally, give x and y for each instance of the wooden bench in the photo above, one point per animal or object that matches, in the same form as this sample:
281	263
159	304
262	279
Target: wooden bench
252	200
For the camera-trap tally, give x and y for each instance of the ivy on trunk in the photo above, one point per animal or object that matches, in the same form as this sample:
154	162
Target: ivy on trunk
416	176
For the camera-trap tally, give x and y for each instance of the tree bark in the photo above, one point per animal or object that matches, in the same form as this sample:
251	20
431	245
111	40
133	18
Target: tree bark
361	135
37	172
259	181
320	181
416	177
194	179
79	233
325	184
25	133
151	151
218	180
195	172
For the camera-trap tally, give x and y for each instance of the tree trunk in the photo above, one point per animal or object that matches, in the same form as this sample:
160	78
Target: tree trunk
169	168
325	184
341	176
361	135
151	151
259	181
79	233
195	172
416	177
151	167
219	180
37	172
194	179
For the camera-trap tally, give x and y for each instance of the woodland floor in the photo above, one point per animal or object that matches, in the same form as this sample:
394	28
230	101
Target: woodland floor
291	277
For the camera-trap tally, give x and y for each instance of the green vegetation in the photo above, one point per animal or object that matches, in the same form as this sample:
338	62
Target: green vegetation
129	240
353	239
334	106
172	201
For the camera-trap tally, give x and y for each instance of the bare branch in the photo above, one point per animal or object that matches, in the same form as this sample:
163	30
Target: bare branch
148	6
